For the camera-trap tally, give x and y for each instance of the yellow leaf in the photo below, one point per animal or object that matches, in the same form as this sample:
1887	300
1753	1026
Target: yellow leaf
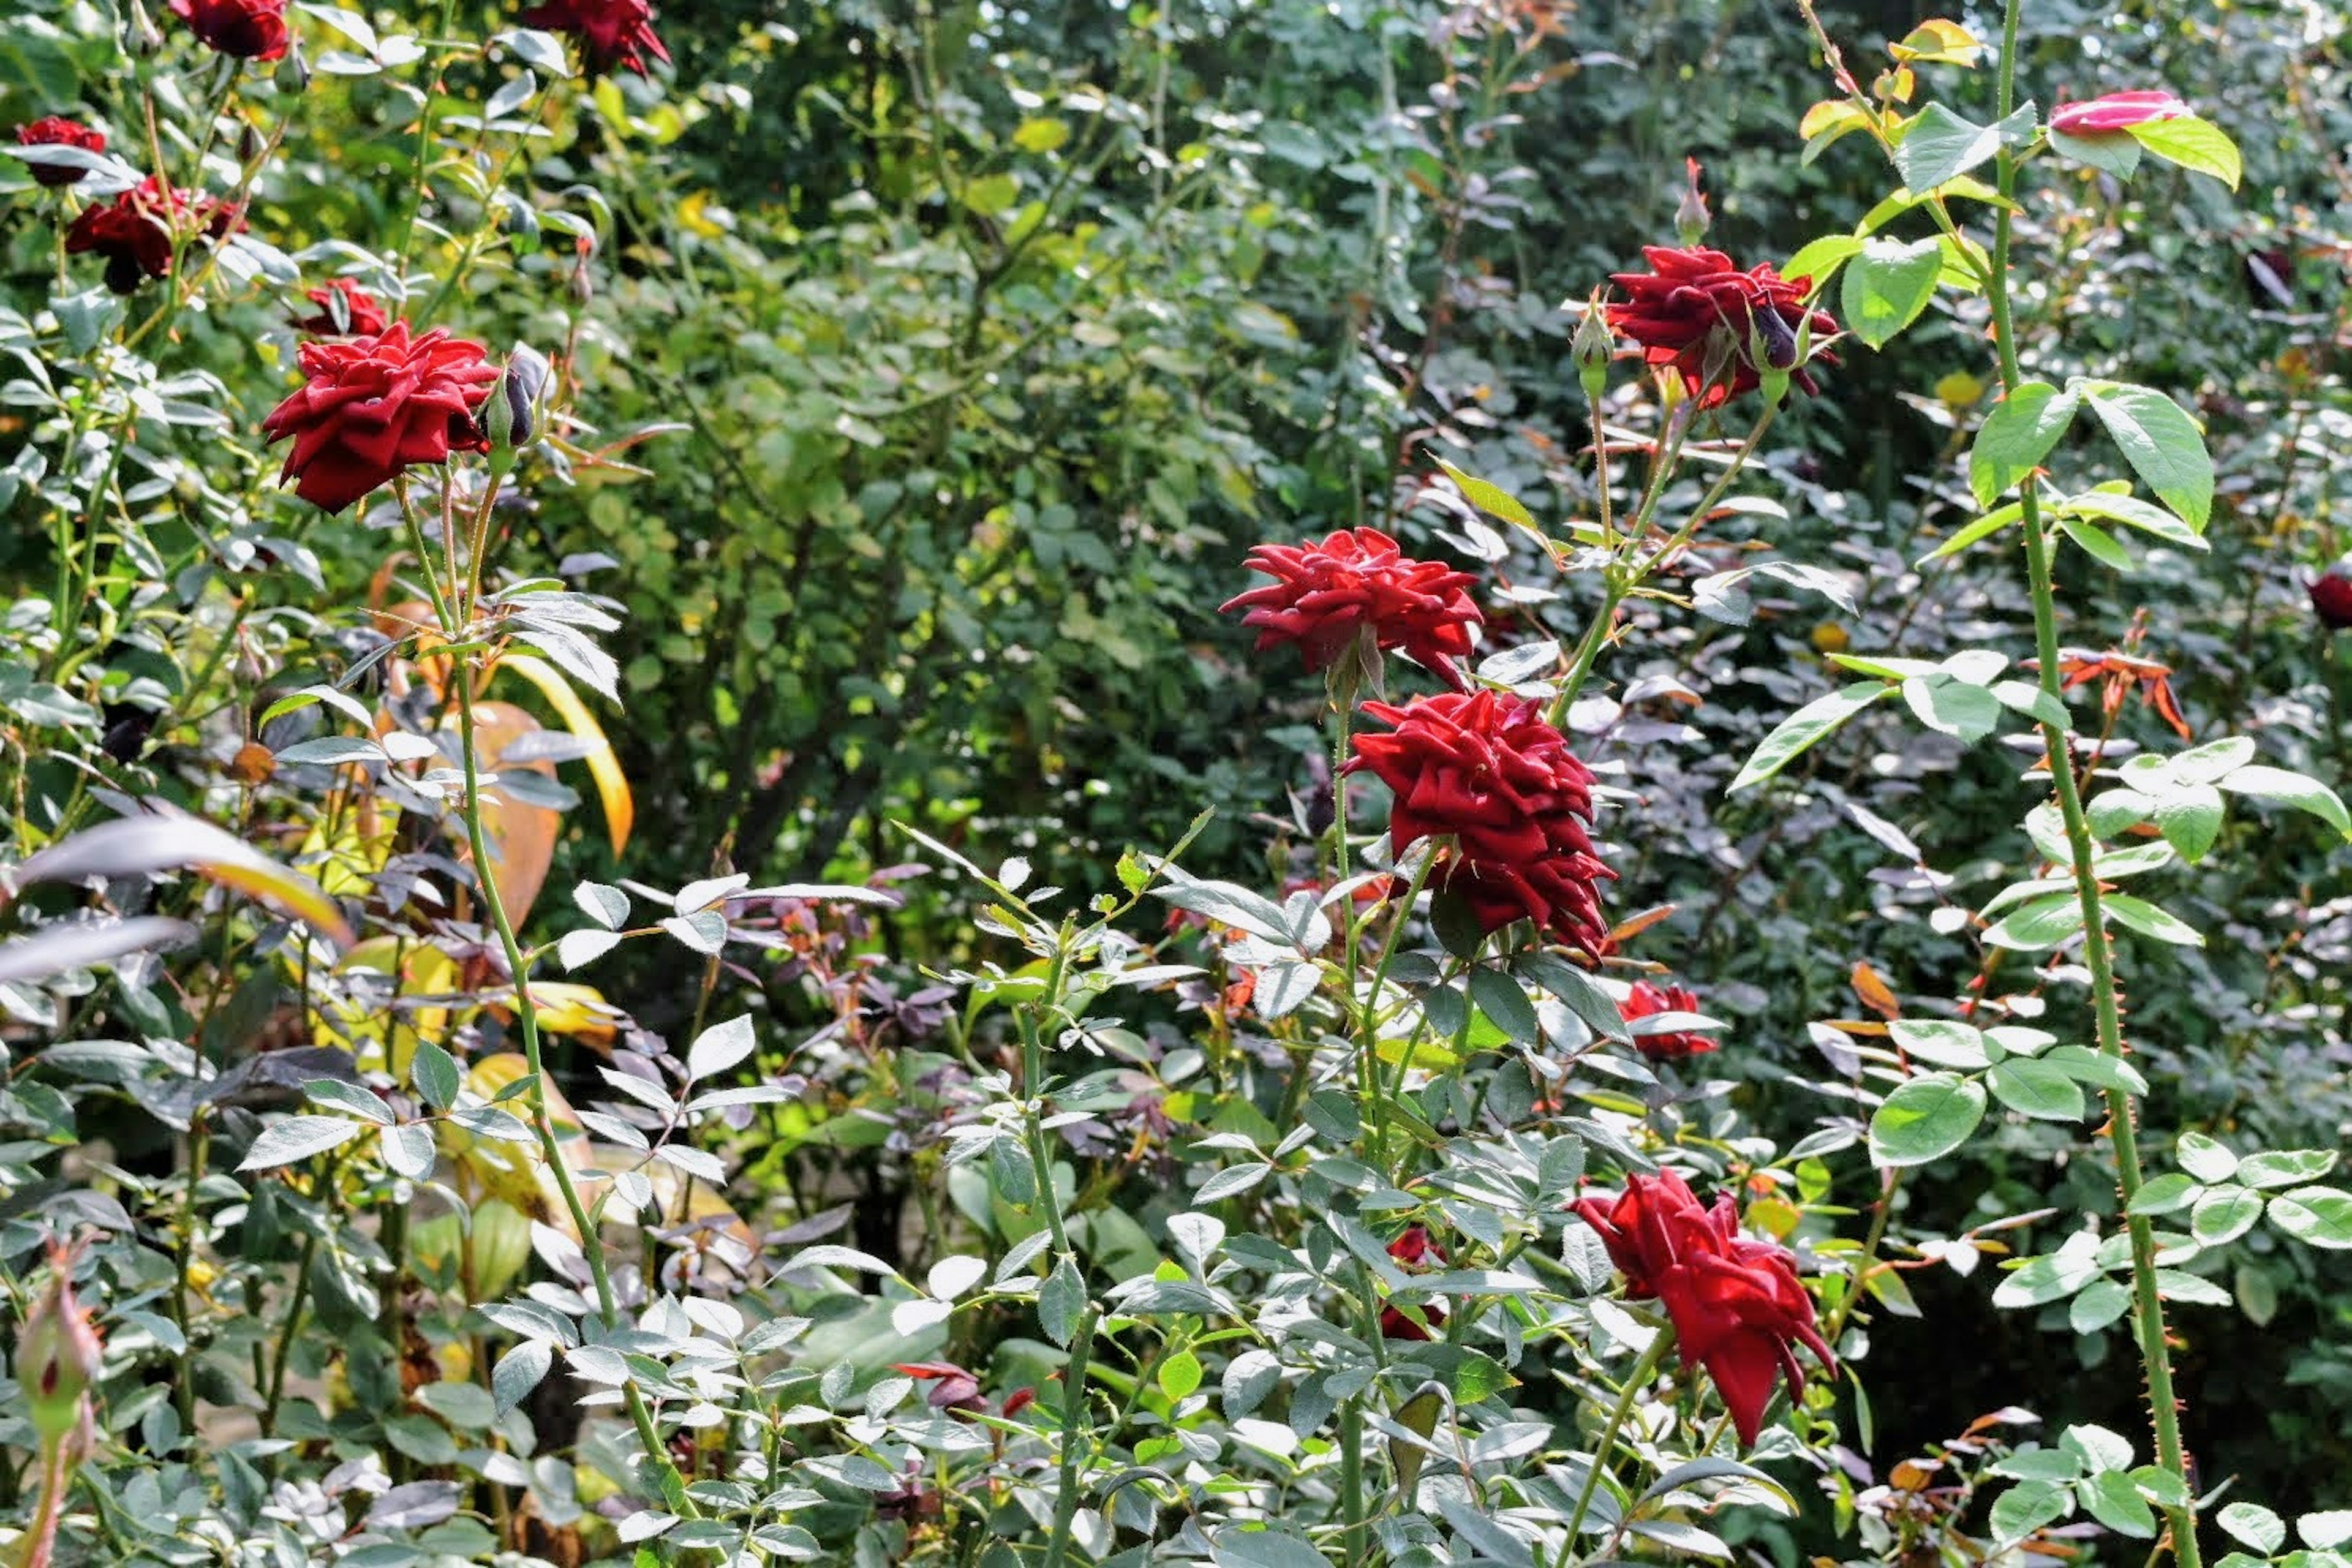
612	785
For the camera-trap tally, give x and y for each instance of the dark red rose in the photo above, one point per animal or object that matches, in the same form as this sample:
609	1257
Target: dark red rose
139	229
55	131
374	406
2116	111
611	32
953	1388
1416	1249
1736	1304
1486	773
1324	596
2331	599
345	310
248	29
1698	312
1648	1000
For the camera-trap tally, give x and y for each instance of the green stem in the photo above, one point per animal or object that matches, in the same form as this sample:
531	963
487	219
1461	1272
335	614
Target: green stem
1637	1380
542	1125
2147	1305
1074	1412
1351	1480
293	1329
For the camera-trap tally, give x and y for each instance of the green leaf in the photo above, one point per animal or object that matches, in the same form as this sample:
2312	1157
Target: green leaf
2113	1500
2097	542
2317	1216
2197	146
2224	1213
2285	1167
518	1371
2290	789
2191	820
1060	1301
1506	1004
2162	443
1820	258
2211	763
2016	435
1941	1042
2144	918
2115	506
992	193
434	1072
296	1137
2044	923
2165	1193
2204	1158
2115	153
348	1097
1954	708
1939	144
1985	527
2038	1088
2053	1277
2026	1507
1926	1119
1573	987
2254	1525
1806	728
2085	1065
2324	1531
1888	286
2101	1303
1492	499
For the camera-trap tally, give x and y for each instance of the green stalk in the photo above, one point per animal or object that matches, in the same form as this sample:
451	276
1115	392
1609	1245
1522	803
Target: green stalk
541	1124
1074	1412
1635	1380
2147	1306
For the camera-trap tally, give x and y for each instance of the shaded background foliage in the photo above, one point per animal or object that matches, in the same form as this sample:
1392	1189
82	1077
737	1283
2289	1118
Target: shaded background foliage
992	340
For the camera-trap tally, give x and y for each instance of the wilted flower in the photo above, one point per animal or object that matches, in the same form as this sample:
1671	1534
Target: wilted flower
57	131
1357	582
2331	598
952	1388
345	310
374	406
1721	329
139	229
2116	111
2119	673
248	29
1486	773
1416	1249
1648	1000
611	32
1736	1304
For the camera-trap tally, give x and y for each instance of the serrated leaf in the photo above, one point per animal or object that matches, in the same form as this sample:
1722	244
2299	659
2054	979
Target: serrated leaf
1939	145
2139	915
2162	444
349	1097
721	1046
2016	435
1492	499
293	1138
2197	146
2317	1216
2040	1090
2292	789
434	1073
518	1371
1888	286
1807	728
1926	1119
2224	1213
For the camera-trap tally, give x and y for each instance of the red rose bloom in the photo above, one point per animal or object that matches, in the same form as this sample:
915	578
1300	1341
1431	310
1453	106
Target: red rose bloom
1702	315
248	29
1324	596
1485	771
1416	1249
374	406
137	231
2331	599
1735	1302
1648	1000
56	131
2114	112
611	32
345	310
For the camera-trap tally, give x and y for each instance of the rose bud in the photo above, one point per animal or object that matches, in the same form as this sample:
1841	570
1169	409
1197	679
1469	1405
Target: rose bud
1592	348
57	1355
516	413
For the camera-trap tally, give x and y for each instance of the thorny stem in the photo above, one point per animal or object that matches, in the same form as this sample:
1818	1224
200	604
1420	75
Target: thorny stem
1074	1412
2155	1356
541	1124
1635	1380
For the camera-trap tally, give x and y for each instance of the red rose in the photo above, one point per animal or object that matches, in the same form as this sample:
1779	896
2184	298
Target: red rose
137	231
2114	112
345	310
1735	1302
1648	1000
1702	315
248	29
1487	771
2331	599
55	131
1324	596
374	406
611	32
1416	1249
